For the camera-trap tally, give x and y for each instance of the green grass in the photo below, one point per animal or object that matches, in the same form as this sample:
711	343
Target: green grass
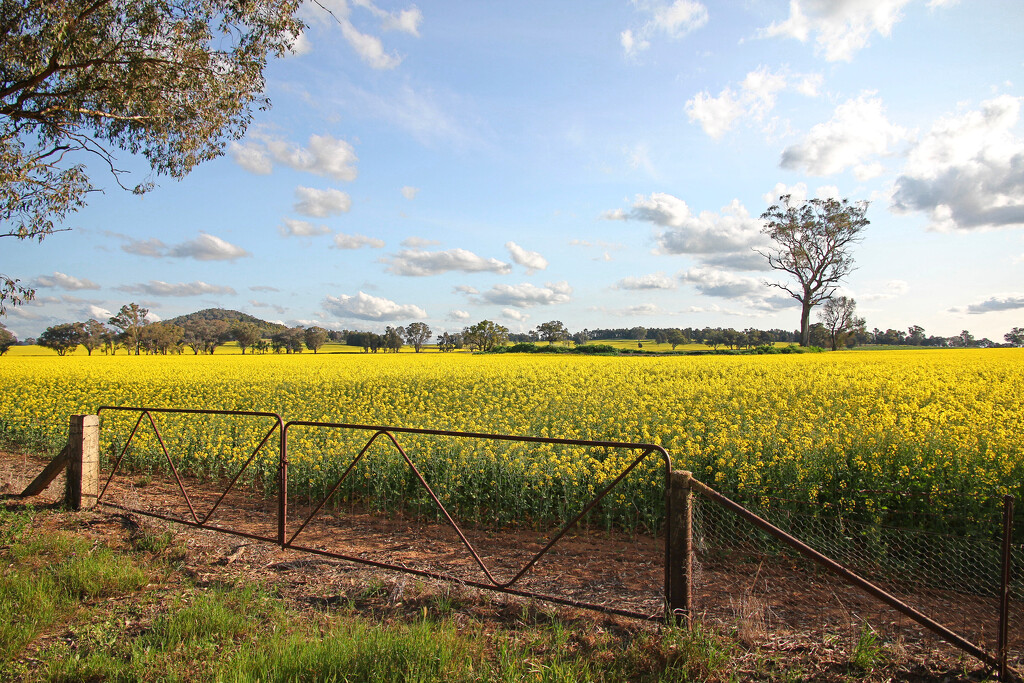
52	574
76	610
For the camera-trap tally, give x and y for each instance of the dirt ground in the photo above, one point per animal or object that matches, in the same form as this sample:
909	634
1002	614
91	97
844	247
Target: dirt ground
783	606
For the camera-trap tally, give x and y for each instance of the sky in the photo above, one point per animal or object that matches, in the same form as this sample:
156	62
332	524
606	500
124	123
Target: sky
601	164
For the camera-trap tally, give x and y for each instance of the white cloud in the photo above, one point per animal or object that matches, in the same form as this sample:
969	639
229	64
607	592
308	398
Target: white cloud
160	288
631	44
531	260
715	308
513	314
280	310
840	27
416	262
679	18
297	228
62	281
674	20
798	192
301	46
325	155
641	309
23	313
369	47
406	21
343	241
207	247
857	131
717	282
458	315
150	247
465	289
527	295
754	100
729	234
364	306
418	242
642	282
998	302
410	192
321	203
967	172
645	309
715	114
809	85
865	172
99	313
252	158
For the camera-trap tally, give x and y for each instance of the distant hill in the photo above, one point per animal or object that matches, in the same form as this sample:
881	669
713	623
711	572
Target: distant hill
229	316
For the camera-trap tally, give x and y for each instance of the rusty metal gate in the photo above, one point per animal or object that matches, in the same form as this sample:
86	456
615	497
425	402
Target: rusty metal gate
287	538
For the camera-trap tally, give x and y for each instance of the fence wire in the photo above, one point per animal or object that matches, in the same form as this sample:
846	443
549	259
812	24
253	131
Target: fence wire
749	581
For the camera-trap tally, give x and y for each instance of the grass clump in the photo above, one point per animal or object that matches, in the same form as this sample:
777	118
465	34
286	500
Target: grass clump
51	574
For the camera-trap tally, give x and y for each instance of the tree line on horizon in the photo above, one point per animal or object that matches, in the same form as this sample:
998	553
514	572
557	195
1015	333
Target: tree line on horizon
204	331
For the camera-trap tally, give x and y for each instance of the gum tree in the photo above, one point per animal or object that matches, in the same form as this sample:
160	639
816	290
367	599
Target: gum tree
812	242
839	317
172	82
417	334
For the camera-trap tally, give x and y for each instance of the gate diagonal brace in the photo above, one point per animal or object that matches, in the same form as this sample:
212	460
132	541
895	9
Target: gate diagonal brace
451	521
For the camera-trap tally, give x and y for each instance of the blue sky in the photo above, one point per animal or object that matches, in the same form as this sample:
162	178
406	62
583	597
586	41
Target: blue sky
602	164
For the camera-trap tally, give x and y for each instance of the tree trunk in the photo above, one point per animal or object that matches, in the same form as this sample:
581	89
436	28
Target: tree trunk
805	322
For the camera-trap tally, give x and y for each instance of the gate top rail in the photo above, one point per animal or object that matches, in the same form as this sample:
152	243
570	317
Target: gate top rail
403	430
192	411
484	435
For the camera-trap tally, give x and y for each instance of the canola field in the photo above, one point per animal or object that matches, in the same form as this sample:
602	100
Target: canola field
850	433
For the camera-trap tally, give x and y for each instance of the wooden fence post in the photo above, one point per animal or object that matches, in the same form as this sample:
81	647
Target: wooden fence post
83	479
680	554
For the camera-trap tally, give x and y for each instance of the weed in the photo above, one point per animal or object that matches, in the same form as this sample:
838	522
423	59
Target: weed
867	653
149	541
13	522
373	590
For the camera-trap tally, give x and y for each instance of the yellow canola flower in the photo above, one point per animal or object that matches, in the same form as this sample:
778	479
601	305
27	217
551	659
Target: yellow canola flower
827	425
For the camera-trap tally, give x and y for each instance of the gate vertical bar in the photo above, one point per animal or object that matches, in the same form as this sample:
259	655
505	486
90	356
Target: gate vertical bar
1004	595
282	488
83	473
680	554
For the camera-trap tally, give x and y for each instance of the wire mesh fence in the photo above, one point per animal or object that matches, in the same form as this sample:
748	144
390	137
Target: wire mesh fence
749	581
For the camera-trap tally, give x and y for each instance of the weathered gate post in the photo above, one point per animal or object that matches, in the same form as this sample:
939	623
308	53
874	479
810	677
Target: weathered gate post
680	544
83	458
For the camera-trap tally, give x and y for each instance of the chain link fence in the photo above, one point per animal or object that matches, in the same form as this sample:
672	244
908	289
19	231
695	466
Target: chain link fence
747	580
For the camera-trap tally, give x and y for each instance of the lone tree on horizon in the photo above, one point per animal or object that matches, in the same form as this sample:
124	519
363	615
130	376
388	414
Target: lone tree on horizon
812	242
